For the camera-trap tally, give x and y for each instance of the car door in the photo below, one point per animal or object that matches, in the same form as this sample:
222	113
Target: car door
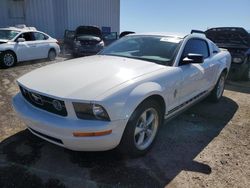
42	45
26	50
69	39
194	75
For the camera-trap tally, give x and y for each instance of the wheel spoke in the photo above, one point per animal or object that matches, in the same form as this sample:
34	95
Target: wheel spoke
150	119
141	138
144	117
149	132
138	130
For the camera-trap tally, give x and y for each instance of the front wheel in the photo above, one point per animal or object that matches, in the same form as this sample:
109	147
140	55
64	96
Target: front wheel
7	59
218	90
141	129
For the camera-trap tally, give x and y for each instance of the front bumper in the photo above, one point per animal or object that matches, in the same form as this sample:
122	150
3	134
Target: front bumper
59	130
85	51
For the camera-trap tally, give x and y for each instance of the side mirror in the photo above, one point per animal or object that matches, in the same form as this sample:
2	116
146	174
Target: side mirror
193	58
21	40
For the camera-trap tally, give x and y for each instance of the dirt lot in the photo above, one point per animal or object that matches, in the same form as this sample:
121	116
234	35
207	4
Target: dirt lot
207	146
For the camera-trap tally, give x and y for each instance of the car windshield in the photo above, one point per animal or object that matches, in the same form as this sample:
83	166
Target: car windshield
156	49
8	34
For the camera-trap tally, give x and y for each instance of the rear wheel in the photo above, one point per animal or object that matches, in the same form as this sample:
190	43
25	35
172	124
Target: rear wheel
218	90
52	55
8	59
141	129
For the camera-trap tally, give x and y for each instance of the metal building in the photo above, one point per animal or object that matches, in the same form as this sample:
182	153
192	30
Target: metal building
54	16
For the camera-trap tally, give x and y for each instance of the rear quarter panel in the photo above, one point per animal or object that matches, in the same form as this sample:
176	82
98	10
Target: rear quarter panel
223	61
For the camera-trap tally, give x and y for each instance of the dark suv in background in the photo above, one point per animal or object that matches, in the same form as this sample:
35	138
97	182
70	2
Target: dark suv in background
85	40
237	41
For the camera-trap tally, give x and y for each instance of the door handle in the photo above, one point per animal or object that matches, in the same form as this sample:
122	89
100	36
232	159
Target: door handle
33	46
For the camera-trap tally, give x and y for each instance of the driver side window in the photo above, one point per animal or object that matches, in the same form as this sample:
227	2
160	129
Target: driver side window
27	36
196	46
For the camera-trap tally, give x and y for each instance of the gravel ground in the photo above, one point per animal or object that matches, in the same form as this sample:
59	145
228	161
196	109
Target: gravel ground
207	146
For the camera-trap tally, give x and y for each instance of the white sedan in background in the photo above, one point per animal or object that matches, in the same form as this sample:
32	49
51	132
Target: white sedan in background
121	96
25	43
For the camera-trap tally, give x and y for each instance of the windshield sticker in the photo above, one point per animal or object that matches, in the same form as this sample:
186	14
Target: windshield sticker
170	39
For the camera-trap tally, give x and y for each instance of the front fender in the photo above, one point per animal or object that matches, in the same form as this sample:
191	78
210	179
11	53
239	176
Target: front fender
139	94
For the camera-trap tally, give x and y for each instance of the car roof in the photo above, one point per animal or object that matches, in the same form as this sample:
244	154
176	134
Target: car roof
167	34
20	28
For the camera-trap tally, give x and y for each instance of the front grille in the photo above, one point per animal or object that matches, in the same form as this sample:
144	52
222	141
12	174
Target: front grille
48	137
46	103
89	42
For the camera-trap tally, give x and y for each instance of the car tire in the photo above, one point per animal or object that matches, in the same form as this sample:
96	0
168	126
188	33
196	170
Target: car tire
52	55
141	129
8	59
218	90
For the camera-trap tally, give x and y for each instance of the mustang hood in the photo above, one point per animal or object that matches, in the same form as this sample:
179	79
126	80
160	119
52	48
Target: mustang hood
85	78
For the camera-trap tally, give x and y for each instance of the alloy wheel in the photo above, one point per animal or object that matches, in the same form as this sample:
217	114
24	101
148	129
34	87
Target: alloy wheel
220	86
8	60
146	128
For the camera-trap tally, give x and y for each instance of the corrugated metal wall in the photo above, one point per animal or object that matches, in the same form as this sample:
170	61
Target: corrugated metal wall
5	15
60	16
39	13
54	16
94	12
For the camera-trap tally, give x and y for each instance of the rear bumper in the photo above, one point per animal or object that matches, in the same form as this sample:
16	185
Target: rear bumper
59	130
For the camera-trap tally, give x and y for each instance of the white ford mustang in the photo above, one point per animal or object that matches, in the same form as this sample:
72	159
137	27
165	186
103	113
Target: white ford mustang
121	96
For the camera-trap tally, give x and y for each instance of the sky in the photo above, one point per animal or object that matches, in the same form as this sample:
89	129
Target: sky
183	15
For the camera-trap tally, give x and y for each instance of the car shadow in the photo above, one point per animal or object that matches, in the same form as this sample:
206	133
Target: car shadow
31	162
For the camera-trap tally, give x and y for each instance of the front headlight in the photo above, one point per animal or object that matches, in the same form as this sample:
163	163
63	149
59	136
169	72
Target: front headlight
90	112
237	60
101	44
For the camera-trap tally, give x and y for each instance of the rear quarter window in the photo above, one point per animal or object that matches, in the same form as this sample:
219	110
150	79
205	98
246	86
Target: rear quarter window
215	48
40	36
